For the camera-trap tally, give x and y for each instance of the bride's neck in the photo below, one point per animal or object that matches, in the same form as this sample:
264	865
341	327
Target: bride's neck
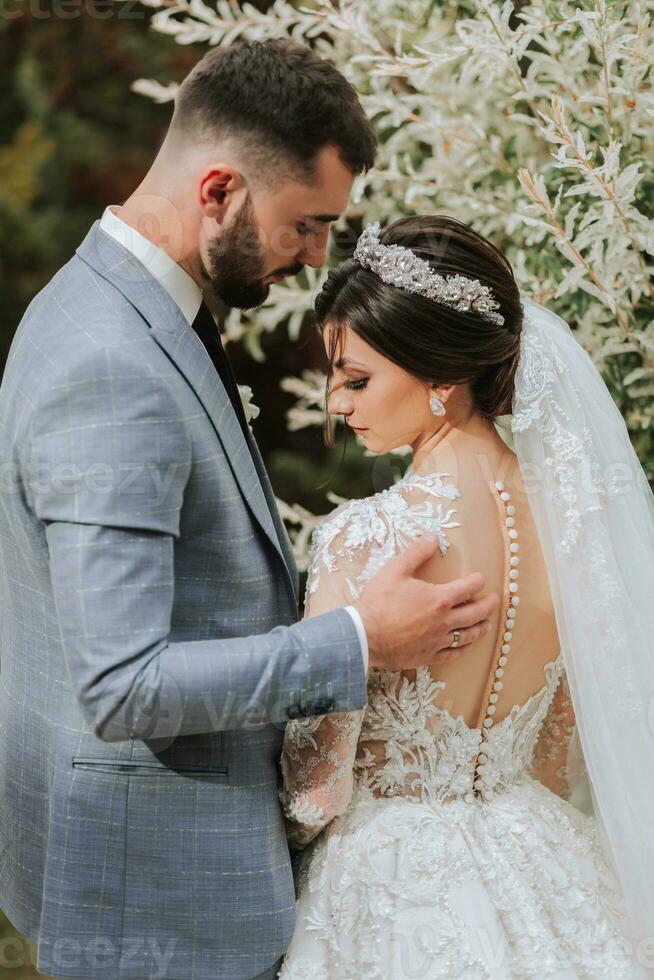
466	435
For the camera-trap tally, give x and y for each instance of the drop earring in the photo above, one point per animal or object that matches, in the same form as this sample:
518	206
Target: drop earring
436	405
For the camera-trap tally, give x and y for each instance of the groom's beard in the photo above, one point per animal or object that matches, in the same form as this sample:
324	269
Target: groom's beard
236	263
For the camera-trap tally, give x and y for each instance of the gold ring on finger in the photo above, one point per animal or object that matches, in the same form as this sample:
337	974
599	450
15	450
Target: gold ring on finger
456	639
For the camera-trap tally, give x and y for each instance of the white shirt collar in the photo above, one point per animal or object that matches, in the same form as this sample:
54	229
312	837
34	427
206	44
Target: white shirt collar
181	288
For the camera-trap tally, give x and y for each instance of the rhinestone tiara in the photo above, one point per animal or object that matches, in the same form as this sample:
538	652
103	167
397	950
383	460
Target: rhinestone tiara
399	266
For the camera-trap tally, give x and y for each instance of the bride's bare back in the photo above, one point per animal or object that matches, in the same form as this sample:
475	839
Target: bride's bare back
465	729
498	538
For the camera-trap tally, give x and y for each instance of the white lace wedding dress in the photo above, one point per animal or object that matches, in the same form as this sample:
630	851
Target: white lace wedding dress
439	838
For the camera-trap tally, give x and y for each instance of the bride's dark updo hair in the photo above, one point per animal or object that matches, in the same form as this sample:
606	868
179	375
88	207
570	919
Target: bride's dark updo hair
433	342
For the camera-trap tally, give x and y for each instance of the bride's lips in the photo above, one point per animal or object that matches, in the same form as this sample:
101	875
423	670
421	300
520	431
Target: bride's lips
354	429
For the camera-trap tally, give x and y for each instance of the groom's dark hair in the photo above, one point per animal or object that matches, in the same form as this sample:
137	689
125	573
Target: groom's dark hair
283	102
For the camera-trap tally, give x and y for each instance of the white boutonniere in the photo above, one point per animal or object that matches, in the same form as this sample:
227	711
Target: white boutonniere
251	410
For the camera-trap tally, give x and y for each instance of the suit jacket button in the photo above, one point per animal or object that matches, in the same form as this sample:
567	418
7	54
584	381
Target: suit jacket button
324	705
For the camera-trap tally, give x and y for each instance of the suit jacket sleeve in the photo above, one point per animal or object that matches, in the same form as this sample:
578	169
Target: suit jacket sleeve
106	463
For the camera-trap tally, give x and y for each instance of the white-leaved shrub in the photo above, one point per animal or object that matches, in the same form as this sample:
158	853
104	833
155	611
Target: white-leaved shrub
532	121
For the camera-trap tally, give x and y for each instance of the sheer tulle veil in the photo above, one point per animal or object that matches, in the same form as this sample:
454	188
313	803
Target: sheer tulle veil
594	512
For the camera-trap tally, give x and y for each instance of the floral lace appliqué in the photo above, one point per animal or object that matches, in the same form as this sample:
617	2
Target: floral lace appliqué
576	474
428	753
382	525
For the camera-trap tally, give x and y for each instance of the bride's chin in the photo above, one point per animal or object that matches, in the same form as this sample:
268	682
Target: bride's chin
372	445
375	443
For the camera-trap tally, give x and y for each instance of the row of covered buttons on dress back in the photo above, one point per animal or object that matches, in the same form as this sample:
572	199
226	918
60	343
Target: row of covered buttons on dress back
481	785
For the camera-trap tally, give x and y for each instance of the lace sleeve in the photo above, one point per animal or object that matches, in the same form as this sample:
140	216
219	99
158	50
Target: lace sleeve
318	756
317	770
348	548
558	761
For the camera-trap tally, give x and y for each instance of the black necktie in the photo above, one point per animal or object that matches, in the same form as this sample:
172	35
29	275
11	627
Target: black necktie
207	330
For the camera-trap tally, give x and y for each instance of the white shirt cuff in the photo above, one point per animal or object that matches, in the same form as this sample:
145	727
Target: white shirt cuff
361	630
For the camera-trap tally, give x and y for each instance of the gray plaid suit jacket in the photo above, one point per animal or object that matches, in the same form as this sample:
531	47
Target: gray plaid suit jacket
149	643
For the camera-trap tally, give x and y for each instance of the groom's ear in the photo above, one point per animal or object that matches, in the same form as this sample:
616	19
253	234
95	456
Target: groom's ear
222	189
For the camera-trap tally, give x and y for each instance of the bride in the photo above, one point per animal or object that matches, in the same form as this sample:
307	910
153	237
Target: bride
488	818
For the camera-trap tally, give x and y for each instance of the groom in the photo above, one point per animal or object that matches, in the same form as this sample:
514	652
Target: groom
150	648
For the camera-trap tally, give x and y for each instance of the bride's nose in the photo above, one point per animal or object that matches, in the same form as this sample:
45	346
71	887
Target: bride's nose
340	402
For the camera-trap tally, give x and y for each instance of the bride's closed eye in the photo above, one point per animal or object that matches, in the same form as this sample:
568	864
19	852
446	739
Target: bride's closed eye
357	385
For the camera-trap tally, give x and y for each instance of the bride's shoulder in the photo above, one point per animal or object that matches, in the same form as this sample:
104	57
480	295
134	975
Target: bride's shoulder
407	490
386	521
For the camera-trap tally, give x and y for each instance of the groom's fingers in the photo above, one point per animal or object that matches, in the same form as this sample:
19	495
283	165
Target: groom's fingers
472	613
467	637
462	590
419	551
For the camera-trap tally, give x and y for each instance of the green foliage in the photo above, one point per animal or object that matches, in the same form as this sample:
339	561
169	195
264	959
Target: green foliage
73	137
533	121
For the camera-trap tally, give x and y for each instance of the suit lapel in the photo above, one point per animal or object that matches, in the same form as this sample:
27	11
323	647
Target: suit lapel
282	534
177	338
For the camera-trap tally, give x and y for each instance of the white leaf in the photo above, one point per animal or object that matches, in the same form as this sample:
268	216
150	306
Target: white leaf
154	90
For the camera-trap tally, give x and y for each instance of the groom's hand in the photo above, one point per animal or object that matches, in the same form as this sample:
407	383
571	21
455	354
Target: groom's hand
409	622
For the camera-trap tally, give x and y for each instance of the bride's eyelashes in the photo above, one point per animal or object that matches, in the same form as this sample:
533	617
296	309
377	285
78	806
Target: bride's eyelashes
357	385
